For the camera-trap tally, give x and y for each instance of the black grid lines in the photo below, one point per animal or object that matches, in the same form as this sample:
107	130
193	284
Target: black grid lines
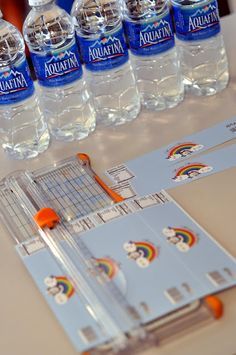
72	191
17	216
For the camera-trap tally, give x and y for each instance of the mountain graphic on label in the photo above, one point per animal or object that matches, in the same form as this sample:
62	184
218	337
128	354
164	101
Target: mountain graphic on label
204	10
7	74
60	56
105	41
156	25
12	81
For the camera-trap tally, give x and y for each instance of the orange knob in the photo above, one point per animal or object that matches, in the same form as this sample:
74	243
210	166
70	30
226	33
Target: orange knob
47	217
215	305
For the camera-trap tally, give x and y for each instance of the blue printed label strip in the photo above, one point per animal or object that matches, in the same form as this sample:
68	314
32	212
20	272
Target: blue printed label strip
167	157
197	22
152	37
65	303
143	247
109	51
15	83
172	243
149	177
59	68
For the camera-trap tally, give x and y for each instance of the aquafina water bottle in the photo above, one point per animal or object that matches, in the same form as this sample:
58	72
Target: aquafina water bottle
203	56
108	69
50	35
23	131
150	33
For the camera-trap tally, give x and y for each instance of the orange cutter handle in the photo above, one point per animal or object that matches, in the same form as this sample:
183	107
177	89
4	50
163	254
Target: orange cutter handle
46	217
114	196
84	158
215	305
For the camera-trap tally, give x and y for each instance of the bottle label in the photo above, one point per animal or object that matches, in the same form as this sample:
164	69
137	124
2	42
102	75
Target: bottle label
58	68
15	83
107	52
150	38
194	24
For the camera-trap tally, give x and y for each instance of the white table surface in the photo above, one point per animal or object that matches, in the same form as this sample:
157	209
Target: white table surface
27	326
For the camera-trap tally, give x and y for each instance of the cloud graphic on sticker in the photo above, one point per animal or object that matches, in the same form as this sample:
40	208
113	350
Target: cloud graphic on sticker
60	288
182	150
182	238
191	171
143	253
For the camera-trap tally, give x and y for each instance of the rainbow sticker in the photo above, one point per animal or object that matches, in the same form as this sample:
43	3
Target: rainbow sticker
108	266
60	288
191	171
182	150
68	288
150	252
142	252
182	238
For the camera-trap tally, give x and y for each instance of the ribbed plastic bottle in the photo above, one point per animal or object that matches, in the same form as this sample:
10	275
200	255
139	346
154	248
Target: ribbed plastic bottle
23	131
154	57
202	51
50	35
102	43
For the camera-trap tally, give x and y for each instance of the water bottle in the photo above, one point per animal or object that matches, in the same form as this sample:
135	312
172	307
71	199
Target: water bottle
50	35
23	131
102	44
150	33
203	56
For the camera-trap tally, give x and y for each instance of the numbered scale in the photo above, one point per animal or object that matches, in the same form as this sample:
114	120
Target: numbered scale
118	274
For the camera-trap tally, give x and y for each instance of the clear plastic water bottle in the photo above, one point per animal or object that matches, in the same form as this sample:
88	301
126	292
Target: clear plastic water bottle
203	56
50	35
23	131
108	69
150	33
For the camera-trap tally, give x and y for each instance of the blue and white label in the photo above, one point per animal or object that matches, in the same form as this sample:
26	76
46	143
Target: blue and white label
15	83
150	38
59	68
198	22
107	52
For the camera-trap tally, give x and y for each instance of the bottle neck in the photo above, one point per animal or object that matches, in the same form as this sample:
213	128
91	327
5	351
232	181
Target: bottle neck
145	12
44	7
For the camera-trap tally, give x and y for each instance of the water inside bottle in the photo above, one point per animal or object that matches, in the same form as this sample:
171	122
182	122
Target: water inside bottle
113	87
23	131
49	32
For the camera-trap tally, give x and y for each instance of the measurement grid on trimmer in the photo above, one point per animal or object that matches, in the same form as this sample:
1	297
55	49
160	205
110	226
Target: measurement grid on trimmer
10	204
72	191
